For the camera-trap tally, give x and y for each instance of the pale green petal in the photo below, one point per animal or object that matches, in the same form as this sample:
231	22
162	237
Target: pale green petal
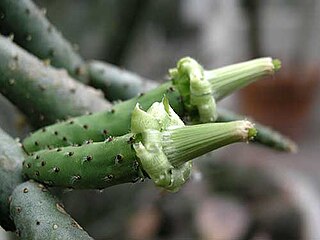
140	120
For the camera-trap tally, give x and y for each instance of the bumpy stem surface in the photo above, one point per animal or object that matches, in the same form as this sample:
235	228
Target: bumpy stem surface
11	157
43	93
39	215
93	165
34	32
35	213
160	146
189	94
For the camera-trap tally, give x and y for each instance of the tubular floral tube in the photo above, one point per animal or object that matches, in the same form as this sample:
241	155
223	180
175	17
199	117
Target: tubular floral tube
190	93
159	146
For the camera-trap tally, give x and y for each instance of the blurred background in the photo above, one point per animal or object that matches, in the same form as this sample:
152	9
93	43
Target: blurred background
241	191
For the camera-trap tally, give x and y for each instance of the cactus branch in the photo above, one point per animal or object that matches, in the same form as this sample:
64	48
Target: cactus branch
39	215
30	205
189	94
93	165
43	93
11	157
117	83
34	32
159	146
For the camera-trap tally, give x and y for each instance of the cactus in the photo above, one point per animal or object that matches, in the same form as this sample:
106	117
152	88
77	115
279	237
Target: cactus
25	80
33	209
35	33
39	215
183	94
11	157
159	146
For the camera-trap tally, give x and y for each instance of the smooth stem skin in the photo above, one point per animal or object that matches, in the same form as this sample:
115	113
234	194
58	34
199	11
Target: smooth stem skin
117	122
117	83
38	215
42	92
34	32
265	136
11	157
103	164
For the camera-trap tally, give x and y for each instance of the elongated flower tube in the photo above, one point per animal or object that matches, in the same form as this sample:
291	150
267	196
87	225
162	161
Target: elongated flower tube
159	146
192	93
225	80
181	145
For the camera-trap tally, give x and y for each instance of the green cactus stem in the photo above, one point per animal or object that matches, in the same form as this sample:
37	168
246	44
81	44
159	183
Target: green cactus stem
11	157
265	136
183	92
159	146
34	32
117	83
34	210
43	93
93	165
39	215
